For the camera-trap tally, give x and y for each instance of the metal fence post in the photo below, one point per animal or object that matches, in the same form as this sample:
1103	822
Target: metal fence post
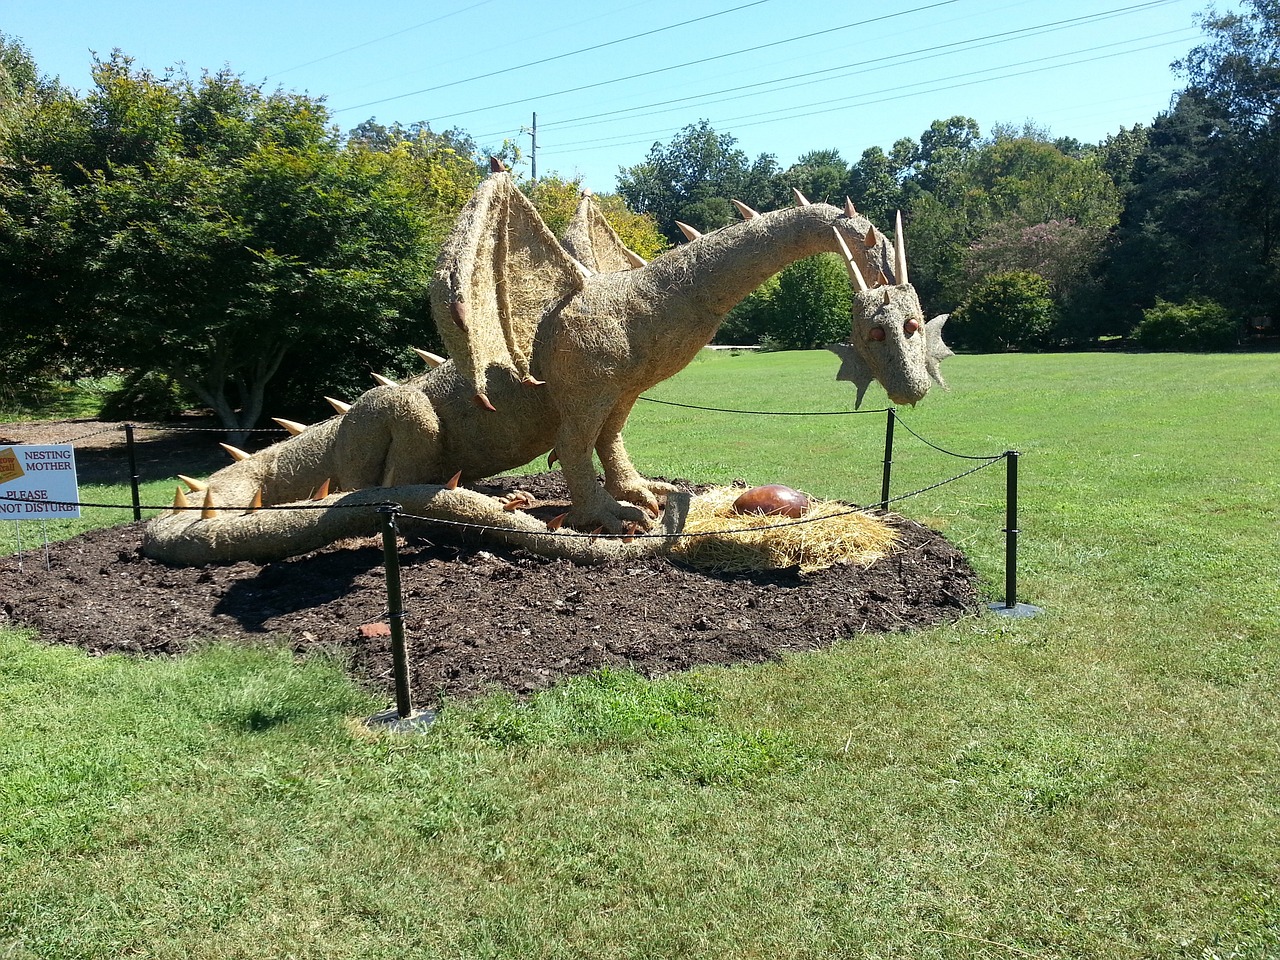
133	470
1011	607
888	461
395	611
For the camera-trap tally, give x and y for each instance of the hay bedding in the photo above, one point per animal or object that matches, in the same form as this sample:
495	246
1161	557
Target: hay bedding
479	618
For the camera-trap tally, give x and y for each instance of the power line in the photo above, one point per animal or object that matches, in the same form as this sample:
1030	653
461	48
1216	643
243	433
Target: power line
833	73
944	83
358	46
559	56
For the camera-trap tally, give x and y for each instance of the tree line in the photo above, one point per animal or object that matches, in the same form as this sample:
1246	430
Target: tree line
208	237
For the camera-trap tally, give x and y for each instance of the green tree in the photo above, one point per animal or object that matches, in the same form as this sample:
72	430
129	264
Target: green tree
821	175
693	178
210	230
1005	311
812	305
1198	324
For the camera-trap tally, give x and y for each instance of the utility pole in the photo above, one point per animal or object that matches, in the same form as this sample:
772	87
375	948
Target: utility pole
533	151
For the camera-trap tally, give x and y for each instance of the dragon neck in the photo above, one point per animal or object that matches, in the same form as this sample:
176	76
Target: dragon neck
716	271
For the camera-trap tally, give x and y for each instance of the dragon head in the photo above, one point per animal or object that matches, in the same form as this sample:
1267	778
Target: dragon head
890	341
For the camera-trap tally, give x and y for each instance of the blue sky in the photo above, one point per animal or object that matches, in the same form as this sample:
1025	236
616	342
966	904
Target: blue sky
607	78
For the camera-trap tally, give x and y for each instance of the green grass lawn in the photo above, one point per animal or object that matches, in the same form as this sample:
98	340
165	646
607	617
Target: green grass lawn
1100	781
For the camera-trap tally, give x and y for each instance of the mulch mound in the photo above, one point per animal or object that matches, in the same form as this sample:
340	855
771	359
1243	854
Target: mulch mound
479	617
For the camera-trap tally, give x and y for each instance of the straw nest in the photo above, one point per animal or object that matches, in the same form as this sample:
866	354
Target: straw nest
735	543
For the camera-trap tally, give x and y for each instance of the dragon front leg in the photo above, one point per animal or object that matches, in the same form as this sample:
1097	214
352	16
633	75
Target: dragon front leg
621	479
593	506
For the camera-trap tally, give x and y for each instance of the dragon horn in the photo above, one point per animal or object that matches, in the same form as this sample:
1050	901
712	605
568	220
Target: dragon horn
854	273
688	231
207	511
634	258
180	501
236	453
452	482
384	381
320	492
338	405
900	251
291	427
551	459
582	268
431	359
742	208
257	501
849	209
872	238
496	165
194	485
801	199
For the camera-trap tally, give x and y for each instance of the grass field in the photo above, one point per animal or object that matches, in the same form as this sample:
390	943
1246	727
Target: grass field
1100	781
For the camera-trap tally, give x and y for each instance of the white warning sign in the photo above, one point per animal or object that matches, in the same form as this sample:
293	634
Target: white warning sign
38	482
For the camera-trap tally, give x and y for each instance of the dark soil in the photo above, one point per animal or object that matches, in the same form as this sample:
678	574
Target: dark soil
479	618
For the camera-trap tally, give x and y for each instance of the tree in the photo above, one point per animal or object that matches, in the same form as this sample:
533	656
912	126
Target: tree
209	230
693	178
813	303
821	175
1238	71
1005	311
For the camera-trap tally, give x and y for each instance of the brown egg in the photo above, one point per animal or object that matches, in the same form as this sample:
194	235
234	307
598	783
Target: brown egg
771	499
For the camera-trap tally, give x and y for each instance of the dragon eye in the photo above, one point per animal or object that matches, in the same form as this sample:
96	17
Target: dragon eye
876	333
910	327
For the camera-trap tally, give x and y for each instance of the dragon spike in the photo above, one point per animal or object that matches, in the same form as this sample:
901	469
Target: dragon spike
496	165
552	457
481	401
338	405
872	238
900	251
236	454
208	511
555	523
322	491
801	199
432	360
257	501
384	381
886	296
742	208
634	258
194	485
292	427
452	482
849	209
583	269
180	501
882	280
688	231
854	273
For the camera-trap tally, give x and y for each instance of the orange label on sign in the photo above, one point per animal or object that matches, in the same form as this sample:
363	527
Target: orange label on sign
10	468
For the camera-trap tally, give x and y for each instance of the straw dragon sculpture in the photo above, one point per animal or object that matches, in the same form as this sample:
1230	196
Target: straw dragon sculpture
550	350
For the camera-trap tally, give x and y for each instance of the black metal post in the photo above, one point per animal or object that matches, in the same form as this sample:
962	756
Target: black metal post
395	611
1011	529
133	470
888	461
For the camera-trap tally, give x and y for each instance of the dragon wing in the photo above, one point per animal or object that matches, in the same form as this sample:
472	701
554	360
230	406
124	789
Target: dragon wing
591	239
500	272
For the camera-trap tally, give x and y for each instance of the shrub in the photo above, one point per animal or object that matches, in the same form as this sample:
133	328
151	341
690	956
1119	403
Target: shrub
1006	311
1198	324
